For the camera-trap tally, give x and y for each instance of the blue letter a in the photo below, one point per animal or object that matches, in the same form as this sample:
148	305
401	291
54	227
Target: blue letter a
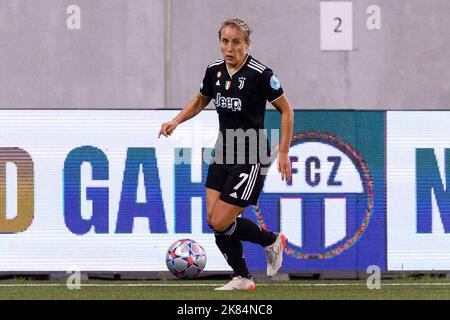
153	209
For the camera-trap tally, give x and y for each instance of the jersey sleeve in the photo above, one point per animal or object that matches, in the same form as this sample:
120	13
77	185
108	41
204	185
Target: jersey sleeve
272	86
206	87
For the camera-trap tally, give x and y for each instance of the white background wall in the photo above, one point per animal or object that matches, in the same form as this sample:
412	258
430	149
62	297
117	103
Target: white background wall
153	53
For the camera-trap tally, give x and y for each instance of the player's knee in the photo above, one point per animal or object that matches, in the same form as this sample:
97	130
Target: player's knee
209	219
219	224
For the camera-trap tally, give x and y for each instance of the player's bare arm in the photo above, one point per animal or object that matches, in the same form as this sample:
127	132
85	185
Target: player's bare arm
287	123
189	111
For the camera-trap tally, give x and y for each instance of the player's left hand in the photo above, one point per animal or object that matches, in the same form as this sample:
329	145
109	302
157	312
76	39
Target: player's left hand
284	166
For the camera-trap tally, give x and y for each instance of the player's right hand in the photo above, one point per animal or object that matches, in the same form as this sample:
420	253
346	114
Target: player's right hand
167	128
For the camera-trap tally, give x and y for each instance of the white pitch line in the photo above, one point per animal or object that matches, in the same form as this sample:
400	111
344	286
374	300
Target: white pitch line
218	284
357	284
30	285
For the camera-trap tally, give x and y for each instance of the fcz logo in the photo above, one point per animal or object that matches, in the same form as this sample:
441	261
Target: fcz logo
328	204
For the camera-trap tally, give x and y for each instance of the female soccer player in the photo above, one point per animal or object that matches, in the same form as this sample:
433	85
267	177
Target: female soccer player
239	86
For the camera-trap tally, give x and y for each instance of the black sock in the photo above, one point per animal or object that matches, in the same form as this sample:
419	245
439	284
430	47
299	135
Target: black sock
233	252
246	230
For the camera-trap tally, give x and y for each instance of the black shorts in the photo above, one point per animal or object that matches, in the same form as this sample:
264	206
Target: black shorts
240	185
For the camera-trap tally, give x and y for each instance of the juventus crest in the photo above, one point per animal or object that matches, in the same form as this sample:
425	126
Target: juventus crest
241	82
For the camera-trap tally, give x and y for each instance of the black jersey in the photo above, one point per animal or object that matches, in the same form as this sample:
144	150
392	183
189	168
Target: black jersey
240	100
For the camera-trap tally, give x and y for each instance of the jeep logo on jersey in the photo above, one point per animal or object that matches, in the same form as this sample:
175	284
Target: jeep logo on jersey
327	206
229	103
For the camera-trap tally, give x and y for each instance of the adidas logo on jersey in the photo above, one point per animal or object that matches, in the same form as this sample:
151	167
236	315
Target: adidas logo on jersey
218	83
226	102
234	195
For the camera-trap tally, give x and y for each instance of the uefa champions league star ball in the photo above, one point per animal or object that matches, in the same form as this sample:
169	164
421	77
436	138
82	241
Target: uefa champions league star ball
186	259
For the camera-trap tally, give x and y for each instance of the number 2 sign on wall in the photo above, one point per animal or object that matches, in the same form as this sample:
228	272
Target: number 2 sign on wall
336	25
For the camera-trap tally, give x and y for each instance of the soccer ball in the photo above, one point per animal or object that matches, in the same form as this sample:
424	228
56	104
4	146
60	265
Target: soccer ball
186	259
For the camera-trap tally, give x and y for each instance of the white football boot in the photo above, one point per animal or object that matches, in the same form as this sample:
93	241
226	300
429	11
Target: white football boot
238	283
274	254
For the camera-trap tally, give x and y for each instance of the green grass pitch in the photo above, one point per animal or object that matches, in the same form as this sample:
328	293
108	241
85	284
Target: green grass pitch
422	289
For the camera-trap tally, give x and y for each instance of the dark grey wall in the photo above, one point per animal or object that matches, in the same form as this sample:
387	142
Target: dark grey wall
153	53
